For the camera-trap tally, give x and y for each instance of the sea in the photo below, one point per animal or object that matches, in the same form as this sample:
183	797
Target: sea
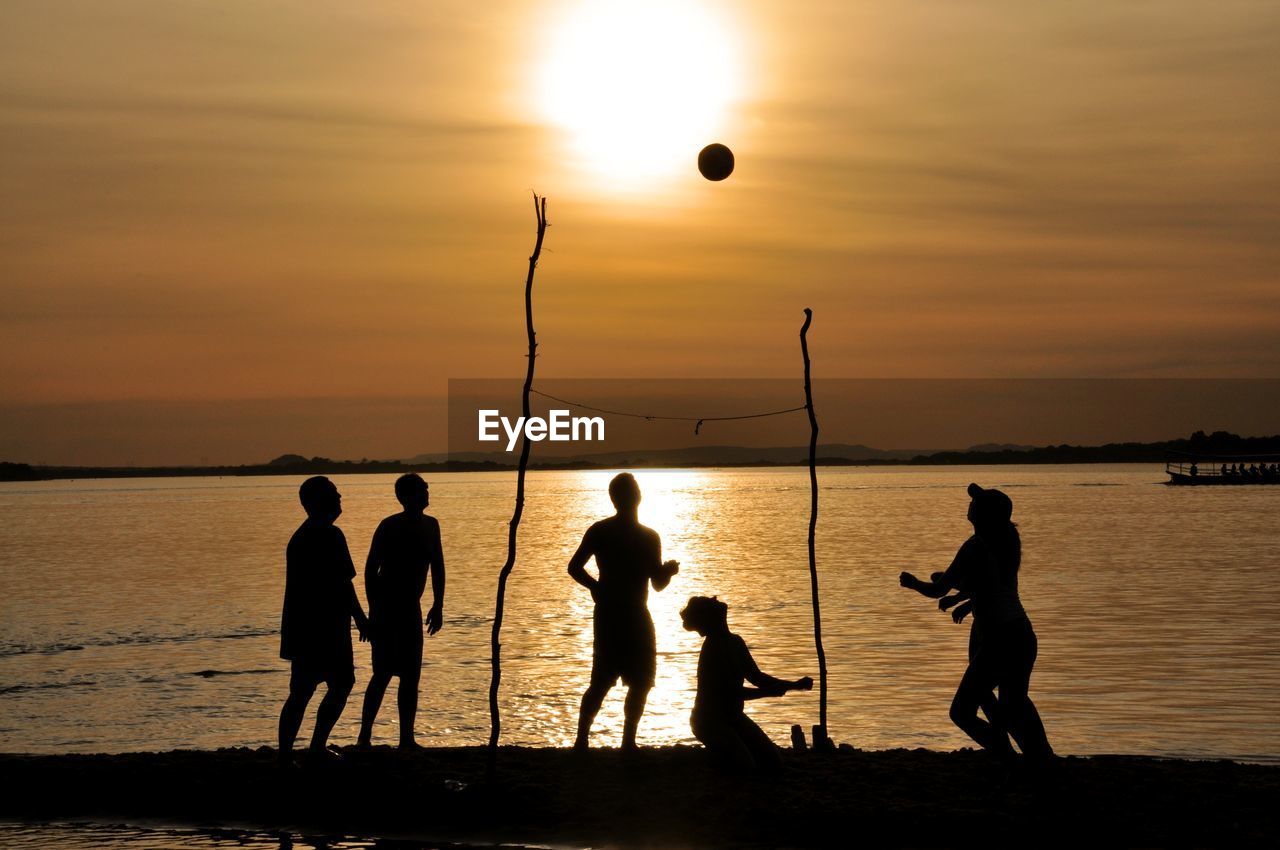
143	614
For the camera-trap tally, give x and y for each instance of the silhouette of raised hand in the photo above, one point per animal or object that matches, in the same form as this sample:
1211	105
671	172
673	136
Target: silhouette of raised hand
804	684
662	576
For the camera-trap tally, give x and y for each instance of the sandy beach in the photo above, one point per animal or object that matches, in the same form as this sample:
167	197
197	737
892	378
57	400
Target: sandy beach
666	797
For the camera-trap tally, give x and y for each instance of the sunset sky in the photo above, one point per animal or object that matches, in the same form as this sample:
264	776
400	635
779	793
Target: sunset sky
235	229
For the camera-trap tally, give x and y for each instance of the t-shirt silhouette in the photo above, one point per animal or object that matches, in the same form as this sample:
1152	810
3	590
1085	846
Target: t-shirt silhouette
991	583
315	624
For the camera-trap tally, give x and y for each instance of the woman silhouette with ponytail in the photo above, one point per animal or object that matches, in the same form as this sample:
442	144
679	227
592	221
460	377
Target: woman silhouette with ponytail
1003	653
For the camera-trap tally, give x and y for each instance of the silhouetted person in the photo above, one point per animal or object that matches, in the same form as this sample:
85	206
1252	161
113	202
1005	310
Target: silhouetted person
986	570
405	548
724	662
315	624
961	606
628	558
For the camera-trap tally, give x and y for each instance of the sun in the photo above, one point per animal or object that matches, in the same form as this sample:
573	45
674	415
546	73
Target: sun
638	87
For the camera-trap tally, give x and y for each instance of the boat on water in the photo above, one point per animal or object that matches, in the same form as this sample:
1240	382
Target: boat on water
1222	470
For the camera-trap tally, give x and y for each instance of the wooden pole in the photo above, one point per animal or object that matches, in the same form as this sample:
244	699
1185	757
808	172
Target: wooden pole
495	642
822	742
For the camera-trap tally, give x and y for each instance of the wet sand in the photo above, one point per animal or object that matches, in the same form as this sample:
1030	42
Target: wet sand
668	797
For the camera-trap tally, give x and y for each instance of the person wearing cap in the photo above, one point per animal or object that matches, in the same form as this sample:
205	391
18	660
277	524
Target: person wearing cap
985	573
724	662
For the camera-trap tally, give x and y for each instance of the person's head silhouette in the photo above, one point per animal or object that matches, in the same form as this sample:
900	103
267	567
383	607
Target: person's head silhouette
625	493
991	512
320	499
704	615
412	492
988	507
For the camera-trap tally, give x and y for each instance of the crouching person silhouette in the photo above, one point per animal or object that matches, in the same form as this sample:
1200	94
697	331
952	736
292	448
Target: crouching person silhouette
315	624
718	720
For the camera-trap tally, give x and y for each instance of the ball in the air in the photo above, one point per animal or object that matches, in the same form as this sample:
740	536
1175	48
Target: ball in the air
715	161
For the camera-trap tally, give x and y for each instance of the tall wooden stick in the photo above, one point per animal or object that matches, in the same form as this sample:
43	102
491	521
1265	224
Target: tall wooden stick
495	642
813	527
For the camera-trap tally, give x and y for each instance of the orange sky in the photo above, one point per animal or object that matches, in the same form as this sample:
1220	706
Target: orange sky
251	201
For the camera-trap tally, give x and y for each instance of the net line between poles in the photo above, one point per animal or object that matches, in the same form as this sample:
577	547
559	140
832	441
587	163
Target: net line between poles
652	416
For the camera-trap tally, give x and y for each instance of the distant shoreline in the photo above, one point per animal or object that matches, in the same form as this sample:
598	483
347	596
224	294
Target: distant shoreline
666	796
65	473
1218	443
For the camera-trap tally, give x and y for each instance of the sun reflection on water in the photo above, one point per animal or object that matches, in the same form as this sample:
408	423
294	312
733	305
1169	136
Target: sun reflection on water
110	664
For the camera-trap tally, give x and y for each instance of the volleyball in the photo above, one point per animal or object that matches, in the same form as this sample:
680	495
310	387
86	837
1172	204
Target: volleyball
715	161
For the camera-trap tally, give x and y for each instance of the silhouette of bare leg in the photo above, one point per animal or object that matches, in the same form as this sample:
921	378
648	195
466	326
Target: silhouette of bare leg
726	746
372	702
1015	706
763	750
974	689
295	706
633	709
335	699
591	702
407	702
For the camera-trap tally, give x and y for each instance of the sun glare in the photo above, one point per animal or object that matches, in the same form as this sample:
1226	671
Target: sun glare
638	86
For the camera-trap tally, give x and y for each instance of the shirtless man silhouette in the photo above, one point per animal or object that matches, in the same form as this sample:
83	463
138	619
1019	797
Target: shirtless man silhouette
628	558
405	549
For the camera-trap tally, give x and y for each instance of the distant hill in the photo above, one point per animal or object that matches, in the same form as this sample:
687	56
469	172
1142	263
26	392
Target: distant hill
18	472
283	465
695	456
1205	446
1000	447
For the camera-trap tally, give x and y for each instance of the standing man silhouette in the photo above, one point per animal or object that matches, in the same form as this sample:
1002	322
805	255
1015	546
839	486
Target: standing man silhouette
405	548
315	623
628	558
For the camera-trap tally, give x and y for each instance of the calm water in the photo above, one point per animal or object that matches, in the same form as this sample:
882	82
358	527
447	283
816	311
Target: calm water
143	614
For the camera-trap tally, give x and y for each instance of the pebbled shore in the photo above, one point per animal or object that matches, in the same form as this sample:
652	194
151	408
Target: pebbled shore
666	797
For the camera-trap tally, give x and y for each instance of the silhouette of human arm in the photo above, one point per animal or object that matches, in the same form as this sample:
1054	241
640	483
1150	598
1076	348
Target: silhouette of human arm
940	582
435	617
946	603
372	565
357	611
931	589
766	685
803	684
578	566
663	570
962	611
